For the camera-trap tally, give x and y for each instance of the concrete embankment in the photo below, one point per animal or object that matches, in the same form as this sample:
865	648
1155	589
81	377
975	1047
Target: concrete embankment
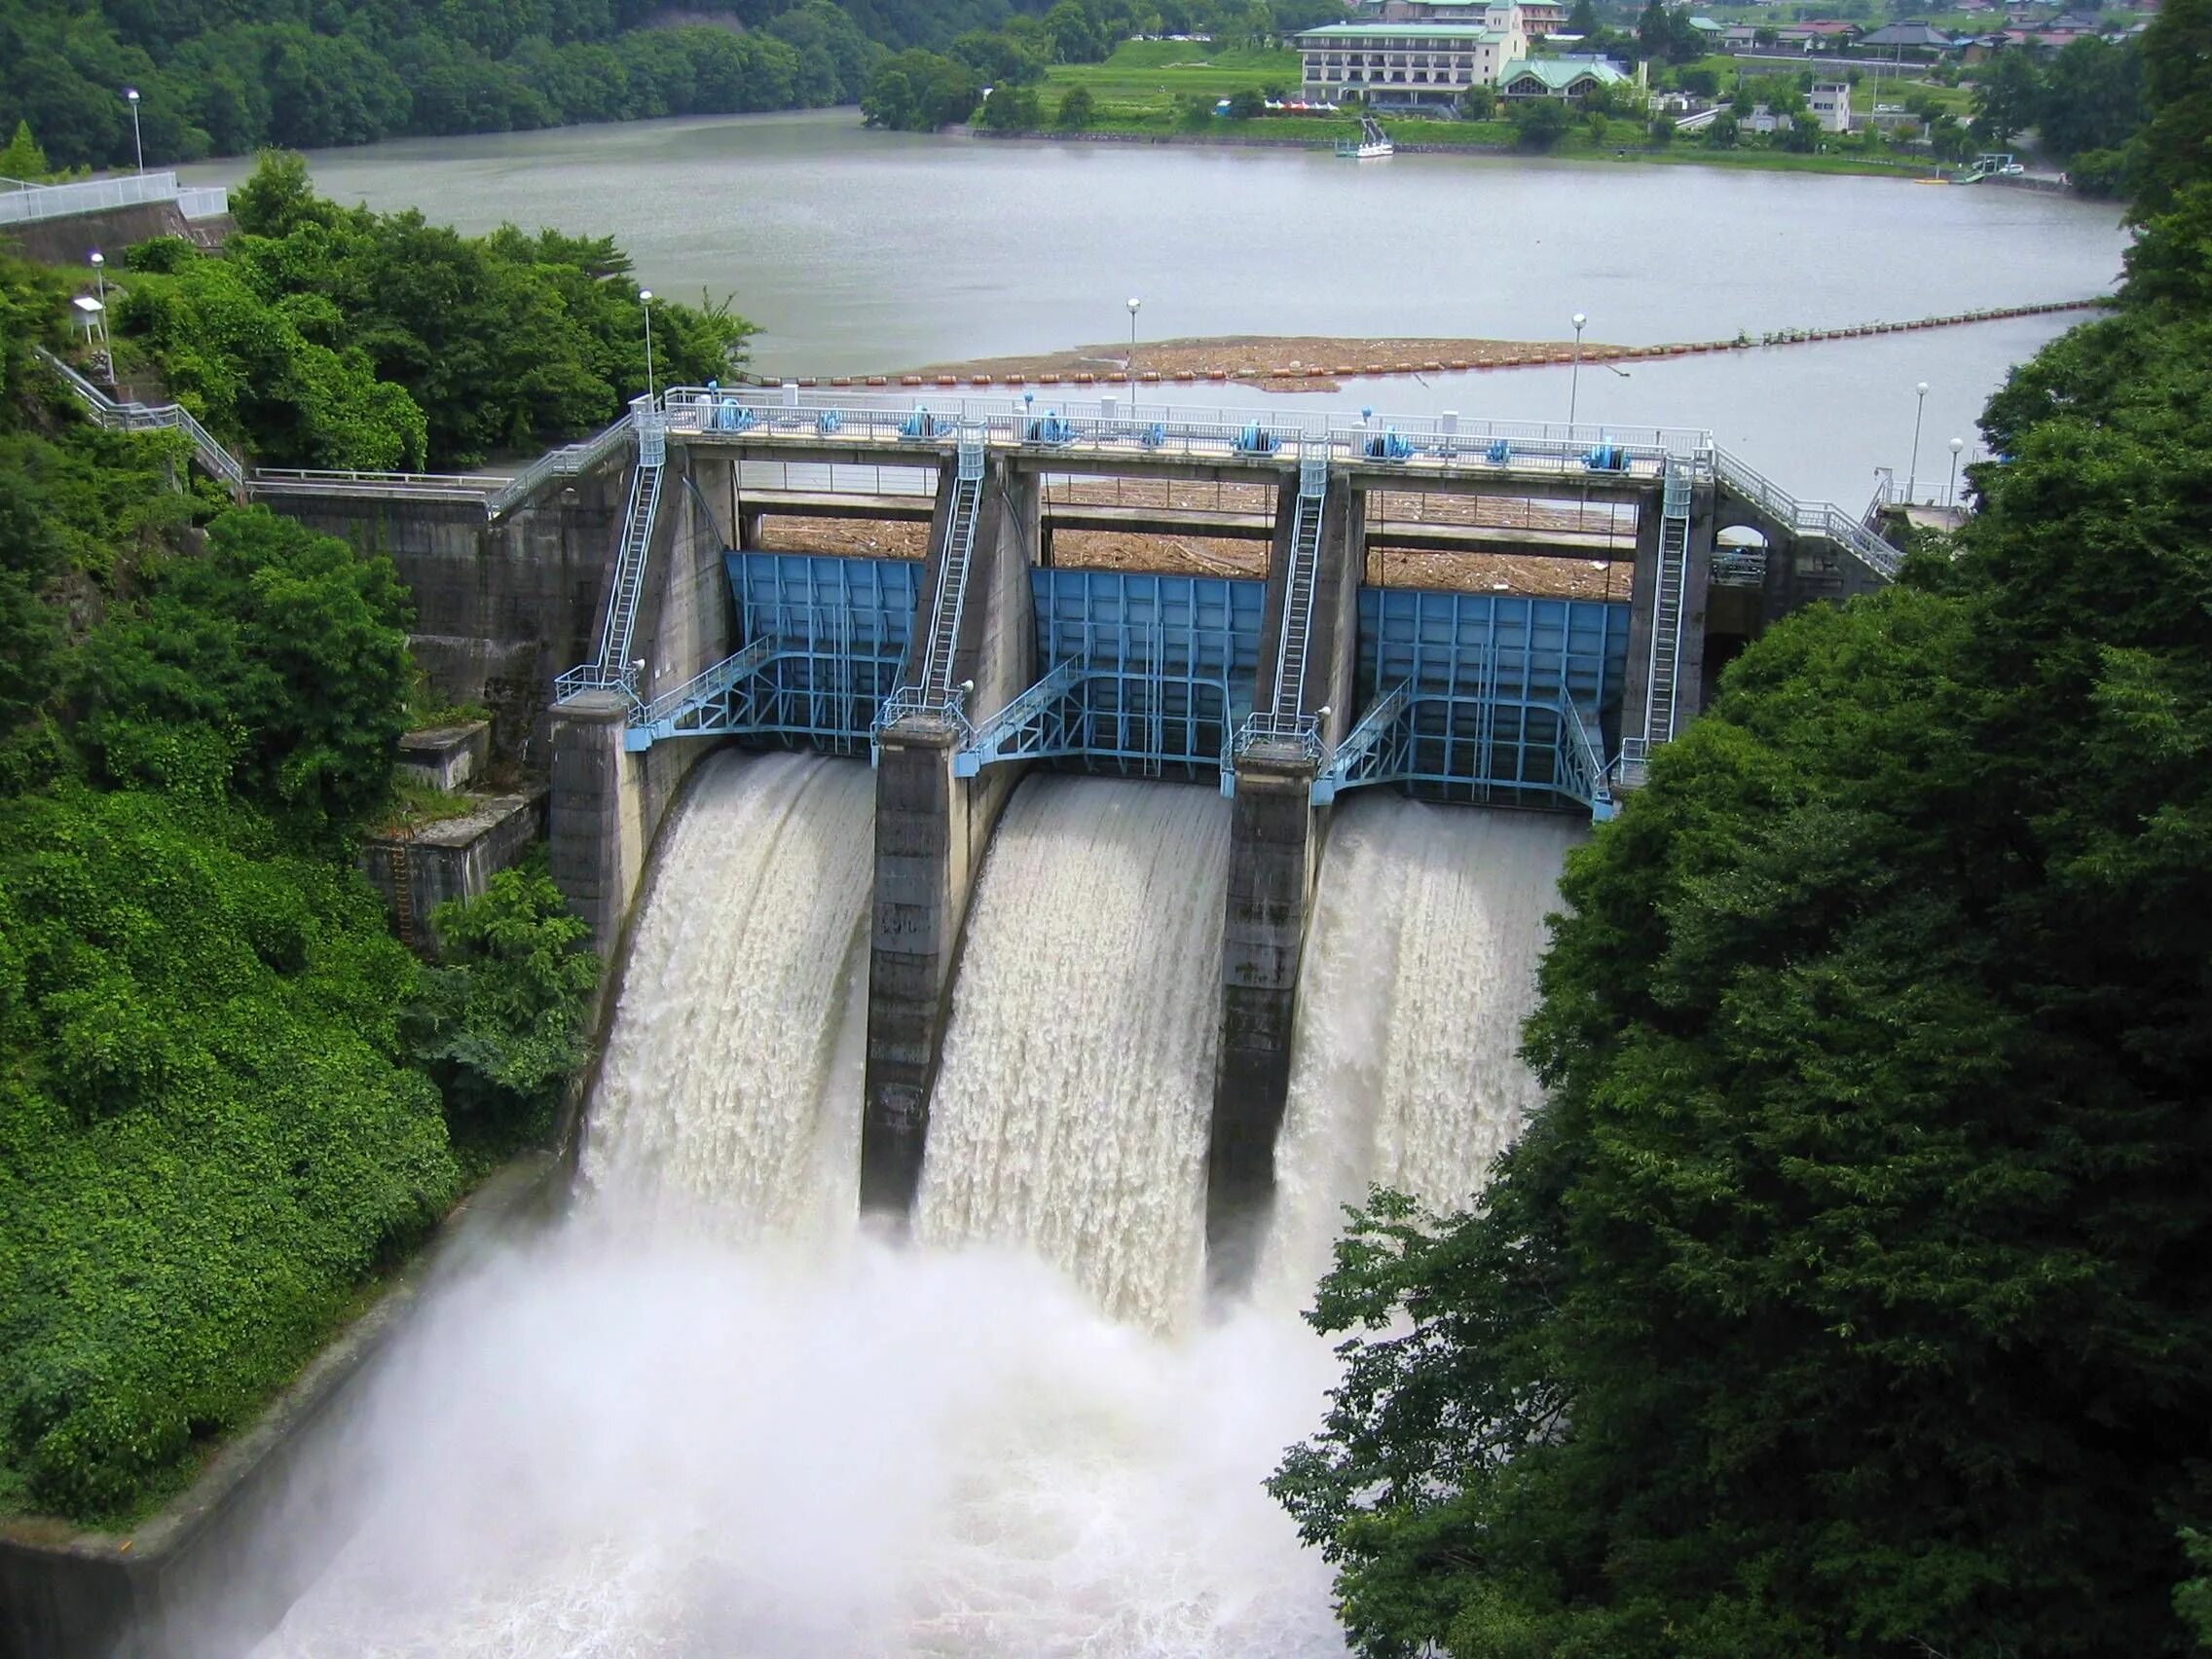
1307	363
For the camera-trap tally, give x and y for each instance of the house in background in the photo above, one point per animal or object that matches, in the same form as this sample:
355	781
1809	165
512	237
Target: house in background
1829	104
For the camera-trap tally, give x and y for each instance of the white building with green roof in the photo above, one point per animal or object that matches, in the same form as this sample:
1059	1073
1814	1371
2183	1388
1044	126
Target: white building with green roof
1411	65
1560	78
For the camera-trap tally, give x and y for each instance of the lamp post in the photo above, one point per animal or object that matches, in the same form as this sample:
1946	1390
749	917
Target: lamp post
646	304
1134	302
1912	474
1951	495
1574	376
137	143
100	280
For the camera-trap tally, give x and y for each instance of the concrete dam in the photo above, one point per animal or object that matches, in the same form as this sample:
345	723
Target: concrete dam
1282	694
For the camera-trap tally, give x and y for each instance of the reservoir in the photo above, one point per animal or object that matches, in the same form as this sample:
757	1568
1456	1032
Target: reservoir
861	252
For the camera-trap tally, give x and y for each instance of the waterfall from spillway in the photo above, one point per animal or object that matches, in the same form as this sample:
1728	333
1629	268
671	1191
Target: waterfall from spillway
1073	1099
729	1094
641	1432
1420	965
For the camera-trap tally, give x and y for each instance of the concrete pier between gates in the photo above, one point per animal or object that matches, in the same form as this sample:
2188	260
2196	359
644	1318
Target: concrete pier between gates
932	828
1274	851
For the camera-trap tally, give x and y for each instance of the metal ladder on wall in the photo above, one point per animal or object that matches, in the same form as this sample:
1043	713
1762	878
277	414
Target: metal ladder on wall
1298	596
402	874
1667	606
631	553
952	571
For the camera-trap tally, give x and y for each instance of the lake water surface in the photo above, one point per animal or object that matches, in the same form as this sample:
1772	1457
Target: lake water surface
859	251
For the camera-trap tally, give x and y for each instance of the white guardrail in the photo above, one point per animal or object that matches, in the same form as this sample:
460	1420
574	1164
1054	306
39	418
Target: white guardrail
32	202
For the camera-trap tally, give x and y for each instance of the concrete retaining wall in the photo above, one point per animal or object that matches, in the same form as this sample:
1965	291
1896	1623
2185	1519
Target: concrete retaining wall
455	859
501	608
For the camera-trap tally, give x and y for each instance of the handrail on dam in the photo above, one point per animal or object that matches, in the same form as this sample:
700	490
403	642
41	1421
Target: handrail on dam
133	417
498	493
1410	446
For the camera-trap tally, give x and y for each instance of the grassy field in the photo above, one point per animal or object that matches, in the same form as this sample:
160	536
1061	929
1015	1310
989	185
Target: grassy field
1147	83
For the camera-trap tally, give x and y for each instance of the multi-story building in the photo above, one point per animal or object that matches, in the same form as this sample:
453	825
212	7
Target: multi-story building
1424	65
1829	104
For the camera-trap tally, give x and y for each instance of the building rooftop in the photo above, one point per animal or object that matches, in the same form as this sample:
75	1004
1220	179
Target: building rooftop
1906	34
1402	31
1557	75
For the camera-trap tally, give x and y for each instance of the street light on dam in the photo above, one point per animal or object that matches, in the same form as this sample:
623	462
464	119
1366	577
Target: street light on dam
1574	375
137	143
646	304
1134	302
1912	473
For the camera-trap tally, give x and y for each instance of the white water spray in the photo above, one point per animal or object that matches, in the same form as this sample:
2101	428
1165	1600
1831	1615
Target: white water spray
1420	965
1073	1100
729	1093
631	1437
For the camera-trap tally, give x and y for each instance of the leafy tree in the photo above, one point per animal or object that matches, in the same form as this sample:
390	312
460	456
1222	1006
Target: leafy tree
1852	1293
1540	124
2177	84
1582	19
1725	130
1247	106
1478	103
1662	130
920	92
2007	98
22	157
1012	109
498	1020
1078	109
2092	97
1075	36
284	649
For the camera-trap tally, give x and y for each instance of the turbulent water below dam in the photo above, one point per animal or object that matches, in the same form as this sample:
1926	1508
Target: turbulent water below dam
704	1413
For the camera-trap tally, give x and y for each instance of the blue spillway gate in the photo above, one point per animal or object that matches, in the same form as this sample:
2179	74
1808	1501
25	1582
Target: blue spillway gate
1477	695
1137	673
824	639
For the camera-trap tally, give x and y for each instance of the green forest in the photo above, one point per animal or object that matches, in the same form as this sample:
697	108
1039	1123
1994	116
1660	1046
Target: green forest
1851	1292
229	1100
330	337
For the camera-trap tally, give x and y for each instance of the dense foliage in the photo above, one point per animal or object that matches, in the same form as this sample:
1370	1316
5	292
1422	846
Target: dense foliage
237	77
1852	1293
219	1115
498	1021
325	335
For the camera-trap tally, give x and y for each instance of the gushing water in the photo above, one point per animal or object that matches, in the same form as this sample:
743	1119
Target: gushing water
1072	1102
1420	965
730	1089
629	1437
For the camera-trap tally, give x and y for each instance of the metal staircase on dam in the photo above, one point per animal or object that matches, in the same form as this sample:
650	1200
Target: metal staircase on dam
952	573
1667	606
1285	721
611	669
